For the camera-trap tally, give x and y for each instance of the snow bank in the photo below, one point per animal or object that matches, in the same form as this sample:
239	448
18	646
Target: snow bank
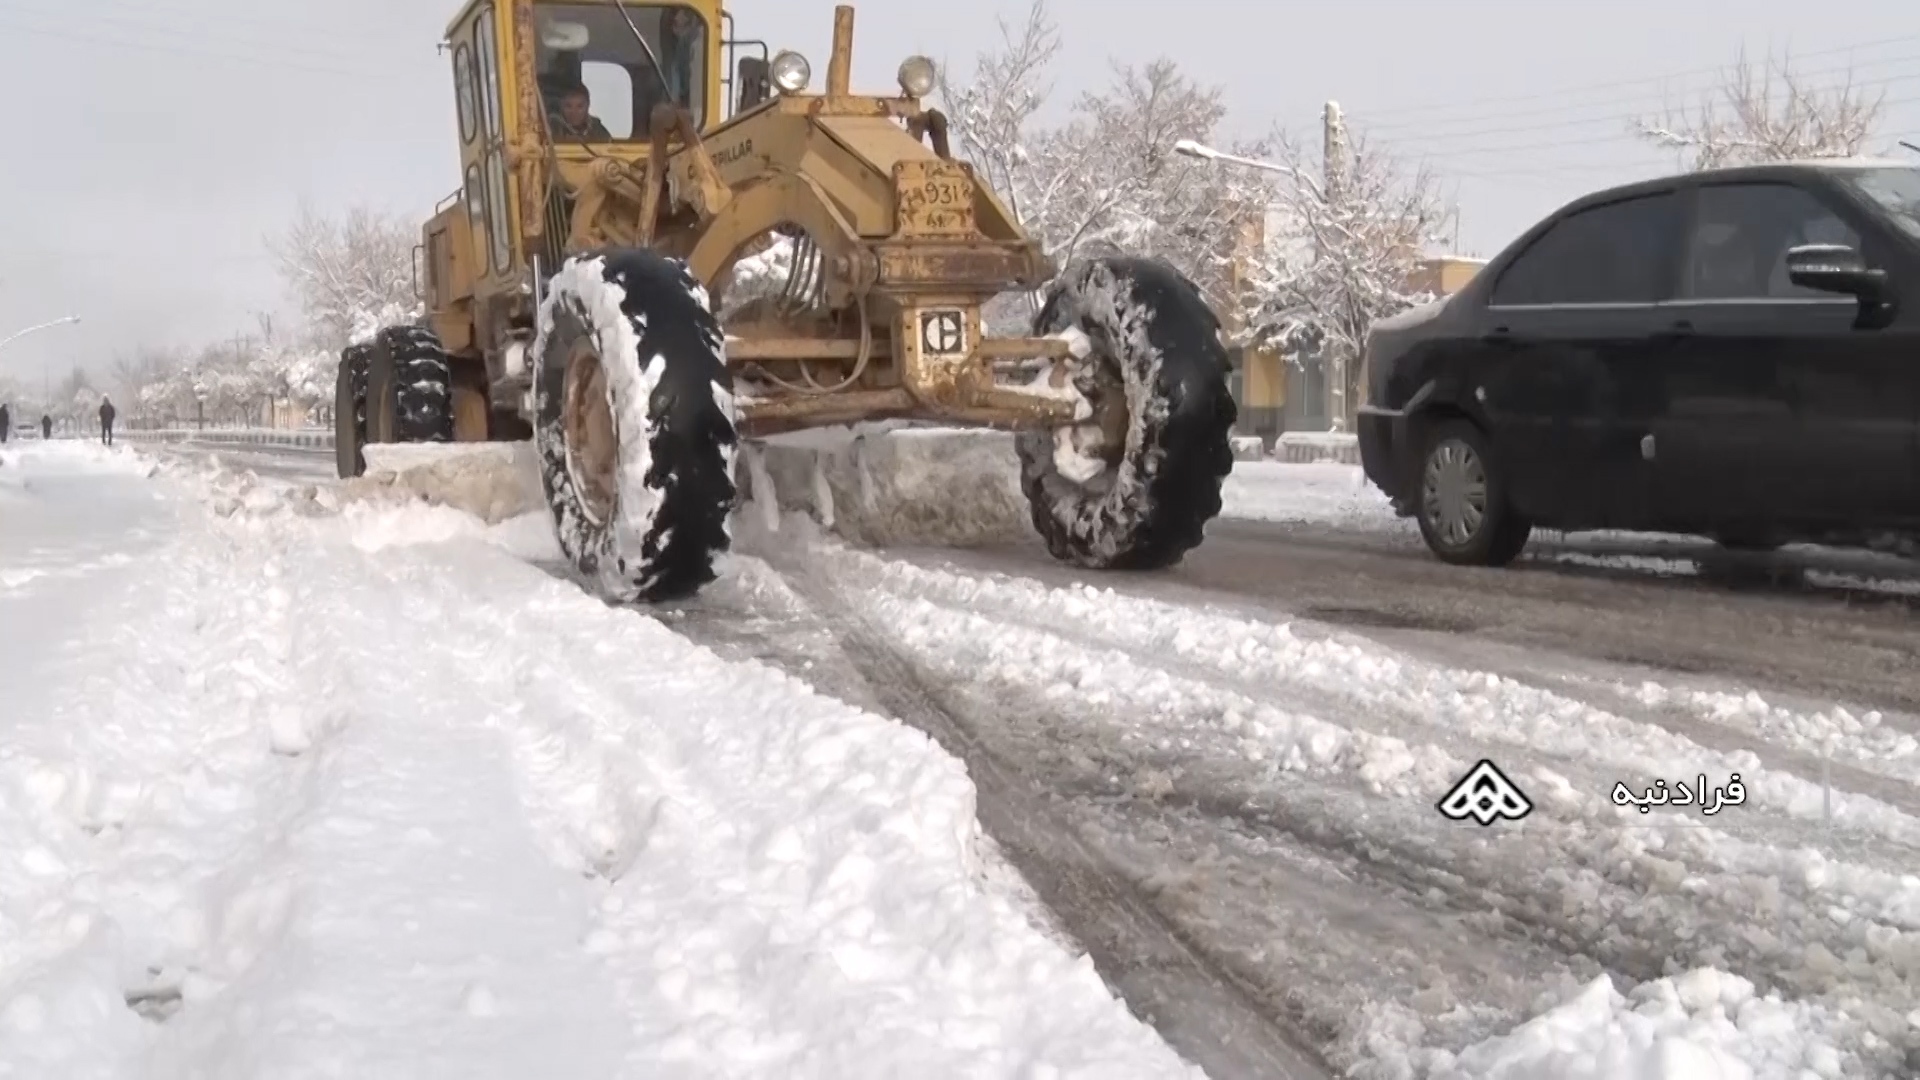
886	484
493	481
895	485
363	794
1323	493
1704	1025
70	457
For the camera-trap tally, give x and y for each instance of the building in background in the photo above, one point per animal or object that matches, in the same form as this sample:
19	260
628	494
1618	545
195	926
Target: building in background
1307	398
1258	382
1446	274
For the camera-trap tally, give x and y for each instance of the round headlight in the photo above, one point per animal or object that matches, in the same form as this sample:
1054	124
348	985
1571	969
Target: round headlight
916	76
790	72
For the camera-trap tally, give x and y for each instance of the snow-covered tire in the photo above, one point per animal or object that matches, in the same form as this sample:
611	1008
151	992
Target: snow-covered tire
350	411
409	387
1154	350
635	424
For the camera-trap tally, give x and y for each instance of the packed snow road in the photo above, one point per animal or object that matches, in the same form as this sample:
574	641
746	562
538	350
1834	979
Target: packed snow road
1266	791
1221	785
1810	622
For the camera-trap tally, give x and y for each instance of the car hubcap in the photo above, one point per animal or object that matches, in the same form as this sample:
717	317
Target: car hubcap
592	445
1454	495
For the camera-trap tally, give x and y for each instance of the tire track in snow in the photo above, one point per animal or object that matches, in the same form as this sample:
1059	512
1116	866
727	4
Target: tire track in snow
1633	914
726	925
406	868
1044	814
1205	1010
1367	688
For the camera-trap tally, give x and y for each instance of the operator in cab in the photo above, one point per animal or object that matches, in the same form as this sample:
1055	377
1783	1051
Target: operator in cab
575	121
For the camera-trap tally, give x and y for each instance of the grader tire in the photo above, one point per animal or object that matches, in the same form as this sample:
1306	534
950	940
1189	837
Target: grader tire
409	387
1144	501
350	411
635	424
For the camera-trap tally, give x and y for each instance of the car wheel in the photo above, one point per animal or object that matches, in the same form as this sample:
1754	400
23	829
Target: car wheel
1461	502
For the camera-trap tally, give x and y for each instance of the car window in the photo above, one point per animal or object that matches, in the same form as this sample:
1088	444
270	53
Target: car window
1615	253
1897	191
1741	234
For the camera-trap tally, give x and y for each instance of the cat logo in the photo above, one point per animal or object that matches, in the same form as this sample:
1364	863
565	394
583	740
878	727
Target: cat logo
1485	795
943	333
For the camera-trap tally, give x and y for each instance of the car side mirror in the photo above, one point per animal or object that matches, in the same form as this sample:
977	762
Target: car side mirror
1836	268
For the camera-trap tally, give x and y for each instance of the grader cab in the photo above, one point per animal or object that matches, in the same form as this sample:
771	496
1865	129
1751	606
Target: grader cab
666	243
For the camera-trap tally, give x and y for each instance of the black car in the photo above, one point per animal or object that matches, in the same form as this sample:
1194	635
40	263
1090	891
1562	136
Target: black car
1732	353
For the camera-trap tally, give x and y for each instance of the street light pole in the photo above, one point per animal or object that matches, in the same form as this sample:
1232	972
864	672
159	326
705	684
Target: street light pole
46	370
1192	149
62	321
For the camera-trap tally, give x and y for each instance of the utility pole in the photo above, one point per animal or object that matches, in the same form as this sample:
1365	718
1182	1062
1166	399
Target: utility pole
1333	184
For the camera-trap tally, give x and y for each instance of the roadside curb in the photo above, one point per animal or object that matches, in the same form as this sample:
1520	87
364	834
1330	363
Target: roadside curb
305	440
1307	448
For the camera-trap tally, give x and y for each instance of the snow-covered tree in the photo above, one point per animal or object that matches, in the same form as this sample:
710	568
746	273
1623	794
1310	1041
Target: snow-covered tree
992	114
1117	187
1768	114
1106	181
137	382
1344	241
351	275
24	402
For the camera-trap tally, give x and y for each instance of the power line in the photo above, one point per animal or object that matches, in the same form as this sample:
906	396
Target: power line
1595	140
284	37
263	58
169	11
1612	119
1456	106
1843	82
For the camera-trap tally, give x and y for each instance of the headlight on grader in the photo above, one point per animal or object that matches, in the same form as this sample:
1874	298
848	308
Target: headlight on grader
790	72
917	76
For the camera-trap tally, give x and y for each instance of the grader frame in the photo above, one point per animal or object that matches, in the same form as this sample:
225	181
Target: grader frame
896	246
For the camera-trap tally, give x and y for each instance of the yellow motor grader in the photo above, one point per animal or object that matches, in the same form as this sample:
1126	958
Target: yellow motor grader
629	165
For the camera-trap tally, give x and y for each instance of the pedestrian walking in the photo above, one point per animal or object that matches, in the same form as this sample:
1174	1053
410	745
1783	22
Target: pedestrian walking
6	424
46	428
106	420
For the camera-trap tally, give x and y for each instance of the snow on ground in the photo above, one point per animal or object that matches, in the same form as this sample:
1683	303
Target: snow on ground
886	484
355	787
1805	890
289	791
1326	493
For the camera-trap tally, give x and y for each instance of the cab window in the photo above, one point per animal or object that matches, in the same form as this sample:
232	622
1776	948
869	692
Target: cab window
596	78
1737	249
465	91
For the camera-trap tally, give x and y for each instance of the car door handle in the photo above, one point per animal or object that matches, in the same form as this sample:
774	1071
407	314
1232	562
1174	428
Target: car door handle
1674	331
1499	335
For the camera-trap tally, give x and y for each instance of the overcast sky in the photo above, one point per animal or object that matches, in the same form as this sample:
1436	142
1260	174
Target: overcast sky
153	143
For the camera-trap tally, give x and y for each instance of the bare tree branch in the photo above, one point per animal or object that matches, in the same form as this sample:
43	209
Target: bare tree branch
1106	181
1341	257
1767	114
351	275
